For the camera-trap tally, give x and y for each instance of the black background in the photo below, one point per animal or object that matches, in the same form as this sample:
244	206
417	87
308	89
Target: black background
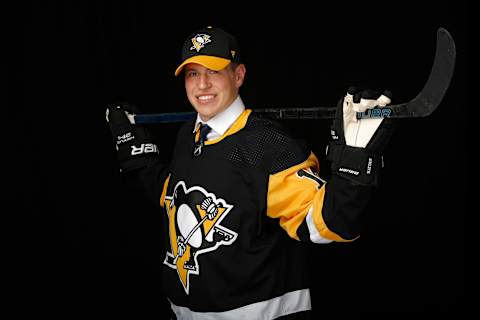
80	241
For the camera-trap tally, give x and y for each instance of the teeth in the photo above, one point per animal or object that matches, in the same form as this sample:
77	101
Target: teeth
204	98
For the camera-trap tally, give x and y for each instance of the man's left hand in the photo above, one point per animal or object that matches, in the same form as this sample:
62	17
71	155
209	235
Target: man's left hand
358	132
356	149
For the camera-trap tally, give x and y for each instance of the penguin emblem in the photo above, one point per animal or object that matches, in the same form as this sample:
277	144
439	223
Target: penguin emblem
194	218
199	41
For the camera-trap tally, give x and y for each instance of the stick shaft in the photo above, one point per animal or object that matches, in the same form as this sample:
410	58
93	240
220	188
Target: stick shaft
276	113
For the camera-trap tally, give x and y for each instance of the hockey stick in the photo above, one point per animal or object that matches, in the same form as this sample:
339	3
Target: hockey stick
421	106
190	234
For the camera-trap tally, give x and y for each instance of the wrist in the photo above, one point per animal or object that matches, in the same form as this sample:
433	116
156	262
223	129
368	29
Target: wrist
134	156
359	165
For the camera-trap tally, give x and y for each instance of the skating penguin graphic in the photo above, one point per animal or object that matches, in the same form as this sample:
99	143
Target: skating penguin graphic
194	226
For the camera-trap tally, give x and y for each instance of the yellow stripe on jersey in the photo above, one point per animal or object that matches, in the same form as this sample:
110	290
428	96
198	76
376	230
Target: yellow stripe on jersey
238	125
290	197
164	191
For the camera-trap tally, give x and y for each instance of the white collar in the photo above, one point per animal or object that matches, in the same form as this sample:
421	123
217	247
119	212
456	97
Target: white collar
224	120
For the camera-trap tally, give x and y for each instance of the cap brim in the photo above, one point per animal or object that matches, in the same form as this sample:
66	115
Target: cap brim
210	62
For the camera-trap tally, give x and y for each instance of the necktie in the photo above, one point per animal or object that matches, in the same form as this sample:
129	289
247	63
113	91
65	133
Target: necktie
204	130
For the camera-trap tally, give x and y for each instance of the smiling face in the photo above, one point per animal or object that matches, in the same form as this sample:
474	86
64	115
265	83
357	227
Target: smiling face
211	92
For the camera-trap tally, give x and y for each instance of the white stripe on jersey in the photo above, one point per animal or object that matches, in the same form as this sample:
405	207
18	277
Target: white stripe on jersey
314	235
290	302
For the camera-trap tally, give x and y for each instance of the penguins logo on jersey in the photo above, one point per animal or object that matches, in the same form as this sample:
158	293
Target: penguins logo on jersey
194	223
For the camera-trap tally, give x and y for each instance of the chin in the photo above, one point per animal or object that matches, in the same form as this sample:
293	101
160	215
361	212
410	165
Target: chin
205	112
205	117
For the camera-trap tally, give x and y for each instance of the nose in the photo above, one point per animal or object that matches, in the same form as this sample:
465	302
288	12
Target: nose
204	81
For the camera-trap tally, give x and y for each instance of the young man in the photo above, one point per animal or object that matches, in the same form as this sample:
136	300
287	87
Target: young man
240	195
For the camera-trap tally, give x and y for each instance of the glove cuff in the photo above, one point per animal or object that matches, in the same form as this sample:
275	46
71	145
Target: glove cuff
359	165
136	156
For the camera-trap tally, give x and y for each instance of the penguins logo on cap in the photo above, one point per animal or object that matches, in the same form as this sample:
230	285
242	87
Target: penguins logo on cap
199	41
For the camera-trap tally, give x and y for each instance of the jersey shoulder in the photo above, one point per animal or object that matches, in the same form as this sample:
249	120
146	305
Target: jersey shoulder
267	140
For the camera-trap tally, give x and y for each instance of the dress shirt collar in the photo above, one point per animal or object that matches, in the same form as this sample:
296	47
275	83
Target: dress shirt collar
224	120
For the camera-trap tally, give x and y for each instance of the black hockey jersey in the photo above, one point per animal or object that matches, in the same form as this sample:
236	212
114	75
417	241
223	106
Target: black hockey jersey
231	213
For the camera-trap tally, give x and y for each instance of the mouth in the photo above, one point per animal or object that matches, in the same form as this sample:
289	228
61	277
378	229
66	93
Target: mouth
205	98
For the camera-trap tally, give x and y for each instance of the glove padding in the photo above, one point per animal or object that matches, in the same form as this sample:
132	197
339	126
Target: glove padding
357	144
135	148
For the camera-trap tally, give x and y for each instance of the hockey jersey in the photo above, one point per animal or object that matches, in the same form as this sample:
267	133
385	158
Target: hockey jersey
232	214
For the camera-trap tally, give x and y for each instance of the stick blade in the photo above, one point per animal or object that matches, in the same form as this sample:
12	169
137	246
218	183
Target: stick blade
437	84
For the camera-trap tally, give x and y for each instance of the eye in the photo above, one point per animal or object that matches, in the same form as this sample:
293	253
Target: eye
212	71
191	73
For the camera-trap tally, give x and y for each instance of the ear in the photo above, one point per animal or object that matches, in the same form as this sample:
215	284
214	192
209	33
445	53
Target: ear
240	71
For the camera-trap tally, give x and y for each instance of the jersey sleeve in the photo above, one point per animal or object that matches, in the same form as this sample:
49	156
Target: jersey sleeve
295	197
313	210
154	178
150	180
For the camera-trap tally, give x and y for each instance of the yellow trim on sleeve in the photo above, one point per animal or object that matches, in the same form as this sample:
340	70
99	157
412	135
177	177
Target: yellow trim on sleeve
318	219
164	191
291	196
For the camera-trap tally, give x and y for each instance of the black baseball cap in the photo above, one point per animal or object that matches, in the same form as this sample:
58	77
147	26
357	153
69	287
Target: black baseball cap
213	48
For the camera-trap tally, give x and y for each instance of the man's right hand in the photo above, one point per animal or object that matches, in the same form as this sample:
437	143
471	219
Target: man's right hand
135	148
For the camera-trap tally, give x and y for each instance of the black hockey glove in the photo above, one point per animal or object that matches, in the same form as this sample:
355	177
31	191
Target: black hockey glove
134	145
357	145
